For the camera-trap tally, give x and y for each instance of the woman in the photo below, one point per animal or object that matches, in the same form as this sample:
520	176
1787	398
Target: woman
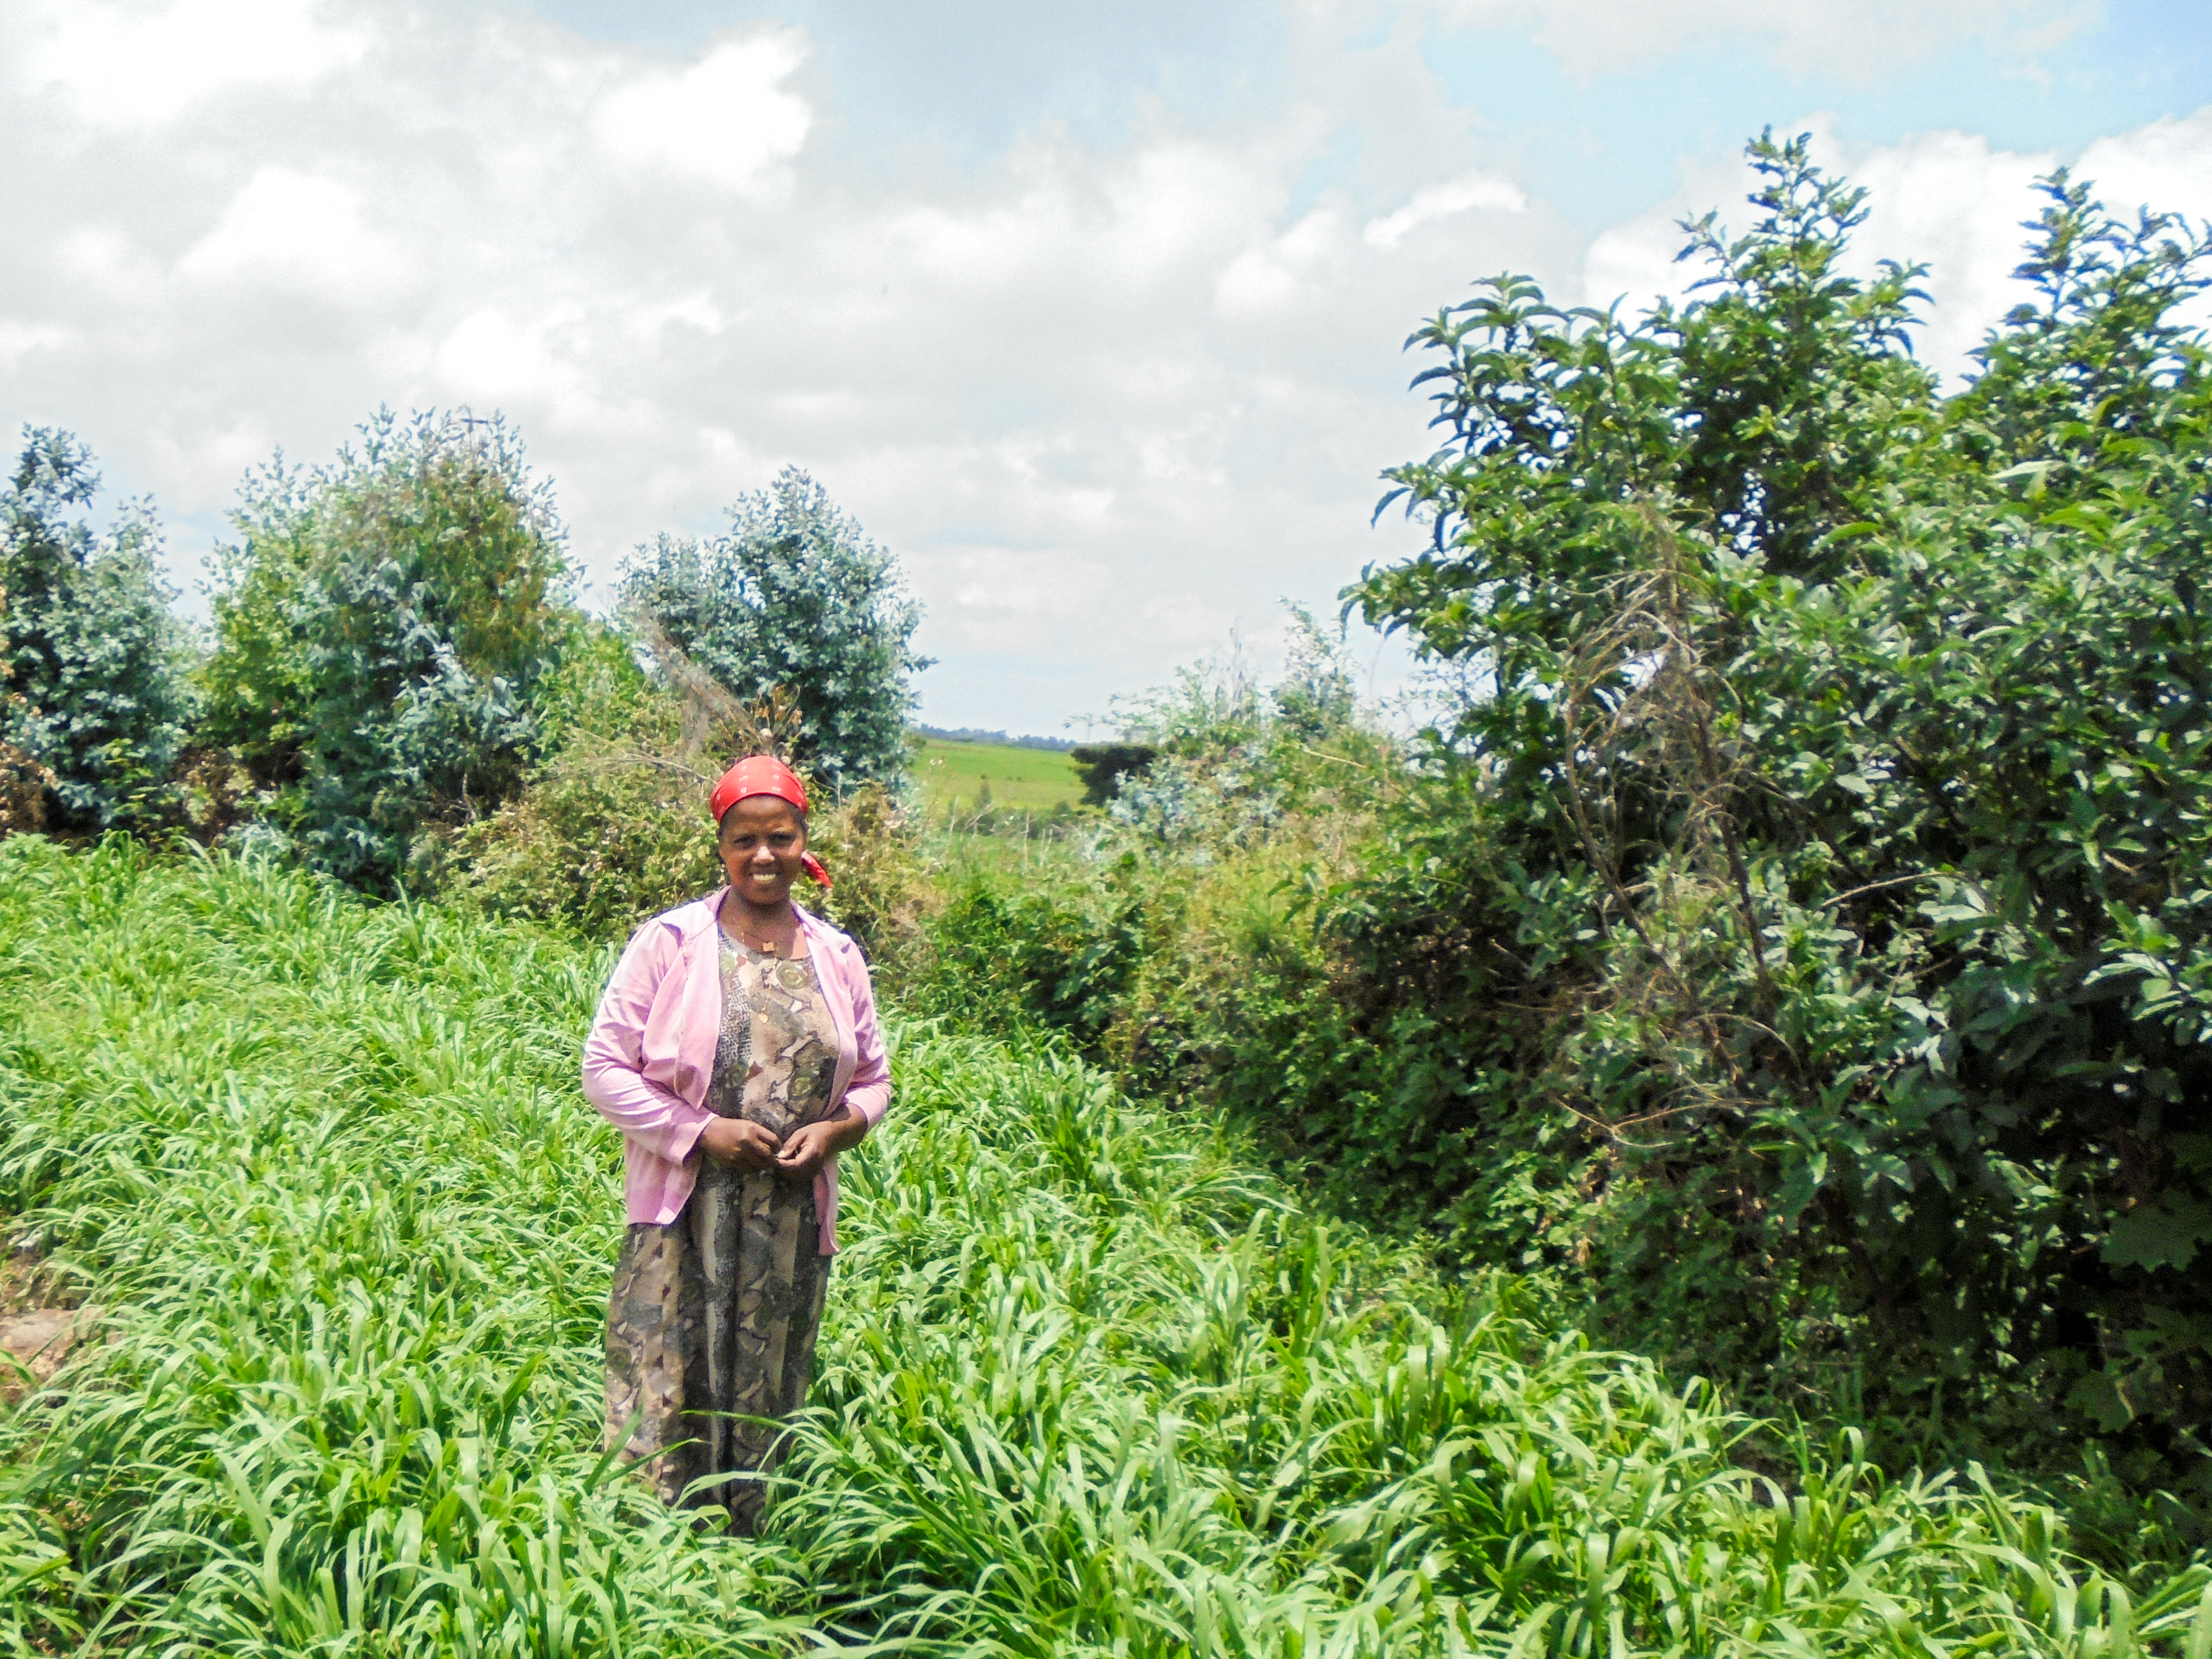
736	1050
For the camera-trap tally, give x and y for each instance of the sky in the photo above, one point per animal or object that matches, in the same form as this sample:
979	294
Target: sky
1094	316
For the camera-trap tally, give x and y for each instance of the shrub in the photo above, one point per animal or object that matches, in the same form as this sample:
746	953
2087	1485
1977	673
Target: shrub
1163	938
382	627
609	828
795	597
1797	941
1819	880
612	826
883	890
23	782
23	787
1055	958
95	709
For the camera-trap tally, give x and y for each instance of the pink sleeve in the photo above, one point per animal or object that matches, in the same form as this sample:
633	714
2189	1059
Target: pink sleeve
870	1091
614	1081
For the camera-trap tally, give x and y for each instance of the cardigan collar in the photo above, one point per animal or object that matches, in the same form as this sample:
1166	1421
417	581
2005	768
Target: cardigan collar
693	918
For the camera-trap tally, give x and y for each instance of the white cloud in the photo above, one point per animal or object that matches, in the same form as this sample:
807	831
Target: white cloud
695	310
728	119
490	358
20	339
1477	192
1274	277
293	230
1012	598
1953	202
124	66
2167	166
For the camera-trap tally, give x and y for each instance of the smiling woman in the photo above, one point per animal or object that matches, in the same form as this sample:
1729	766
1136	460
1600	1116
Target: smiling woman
736	1050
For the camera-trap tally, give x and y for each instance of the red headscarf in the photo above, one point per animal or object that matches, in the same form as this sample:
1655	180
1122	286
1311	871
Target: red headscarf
764	774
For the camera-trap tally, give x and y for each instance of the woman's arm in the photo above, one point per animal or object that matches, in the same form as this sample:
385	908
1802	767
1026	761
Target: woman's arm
614	1080
870	1091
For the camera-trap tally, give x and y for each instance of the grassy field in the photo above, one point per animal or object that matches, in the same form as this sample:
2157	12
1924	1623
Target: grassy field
953	776
1090	1383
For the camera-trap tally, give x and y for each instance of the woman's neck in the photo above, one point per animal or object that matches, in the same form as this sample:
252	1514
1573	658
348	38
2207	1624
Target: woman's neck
773	928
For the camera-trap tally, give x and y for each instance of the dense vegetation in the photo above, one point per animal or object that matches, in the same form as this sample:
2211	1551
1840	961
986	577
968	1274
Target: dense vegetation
381	631
93	703
1091	1382
1786	951
1842	803
1796	937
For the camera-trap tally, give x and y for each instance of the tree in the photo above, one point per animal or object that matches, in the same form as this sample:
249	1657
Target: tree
382	627
1103	766
94	701
1817	887
795	596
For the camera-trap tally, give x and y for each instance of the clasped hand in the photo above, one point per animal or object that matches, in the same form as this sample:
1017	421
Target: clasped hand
742	1143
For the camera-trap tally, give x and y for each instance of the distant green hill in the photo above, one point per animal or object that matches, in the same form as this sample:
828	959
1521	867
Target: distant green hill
953	774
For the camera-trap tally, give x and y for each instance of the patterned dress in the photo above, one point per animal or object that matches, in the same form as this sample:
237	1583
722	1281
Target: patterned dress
711	1326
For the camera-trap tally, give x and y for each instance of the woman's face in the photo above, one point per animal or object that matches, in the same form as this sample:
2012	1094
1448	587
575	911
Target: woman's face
761	841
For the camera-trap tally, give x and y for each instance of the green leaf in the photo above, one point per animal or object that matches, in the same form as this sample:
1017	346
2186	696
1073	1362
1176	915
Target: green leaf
2167	1233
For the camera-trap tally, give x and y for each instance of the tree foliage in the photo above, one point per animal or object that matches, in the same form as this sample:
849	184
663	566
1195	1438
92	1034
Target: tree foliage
1828	847
382	627
93	705
1103	766
794	596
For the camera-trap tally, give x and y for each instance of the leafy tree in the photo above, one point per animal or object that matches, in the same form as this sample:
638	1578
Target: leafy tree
794	596
1805	931
23	782
1103	766
382	627
94	702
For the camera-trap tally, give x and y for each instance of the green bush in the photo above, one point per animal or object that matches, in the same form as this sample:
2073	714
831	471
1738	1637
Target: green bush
609	828
1057	959
1171	939
871	844
1821	882
1102	766
612	826
94	707
382	627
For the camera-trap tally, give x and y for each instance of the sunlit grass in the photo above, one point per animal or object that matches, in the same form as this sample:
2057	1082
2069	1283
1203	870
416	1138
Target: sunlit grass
952	777
1090	1383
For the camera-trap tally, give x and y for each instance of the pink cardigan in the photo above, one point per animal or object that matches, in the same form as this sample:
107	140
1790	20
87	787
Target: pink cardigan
651	1053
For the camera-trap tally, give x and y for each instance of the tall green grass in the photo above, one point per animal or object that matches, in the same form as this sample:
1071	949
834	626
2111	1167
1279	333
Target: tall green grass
1090	1382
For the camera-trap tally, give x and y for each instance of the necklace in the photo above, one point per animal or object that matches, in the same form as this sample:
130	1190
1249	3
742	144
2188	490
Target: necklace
746	937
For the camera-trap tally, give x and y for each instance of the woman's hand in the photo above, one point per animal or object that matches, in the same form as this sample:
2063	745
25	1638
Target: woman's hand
740	1142
804	1147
